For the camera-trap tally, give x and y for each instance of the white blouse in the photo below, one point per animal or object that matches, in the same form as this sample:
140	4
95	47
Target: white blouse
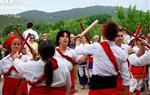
7	62
69	52
140	61
102	65
33	70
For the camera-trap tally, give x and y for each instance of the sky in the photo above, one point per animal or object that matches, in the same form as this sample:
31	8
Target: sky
18	6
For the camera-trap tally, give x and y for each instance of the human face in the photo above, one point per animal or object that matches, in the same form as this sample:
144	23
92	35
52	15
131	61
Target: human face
72	37
44	36
119	38
15	45
11	34
83	40
64	40
32	39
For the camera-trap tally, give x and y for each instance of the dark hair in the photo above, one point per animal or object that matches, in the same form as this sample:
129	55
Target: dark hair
44	32
46	51
61	33
110	30
29	25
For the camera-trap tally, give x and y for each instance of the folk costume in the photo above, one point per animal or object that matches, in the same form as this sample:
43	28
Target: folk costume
68	59
33	71
108	60
140	61
14	83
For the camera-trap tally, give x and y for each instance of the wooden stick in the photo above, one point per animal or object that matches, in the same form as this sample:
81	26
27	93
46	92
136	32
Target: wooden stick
86	36
18	31
130	33
25	41
89	27
138	31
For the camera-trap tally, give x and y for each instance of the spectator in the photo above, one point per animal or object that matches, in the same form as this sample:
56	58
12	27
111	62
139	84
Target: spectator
31	31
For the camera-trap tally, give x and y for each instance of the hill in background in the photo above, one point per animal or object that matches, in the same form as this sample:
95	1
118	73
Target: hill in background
36	16
69	14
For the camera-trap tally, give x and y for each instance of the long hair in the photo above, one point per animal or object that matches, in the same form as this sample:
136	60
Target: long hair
46	51
110	30
59	34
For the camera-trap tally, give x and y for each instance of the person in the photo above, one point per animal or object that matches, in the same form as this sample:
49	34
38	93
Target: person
72	45
106	62
11	33
82	68
14	83
67	55
34	46
72	41
6	52
44	37
136	60
119	42
139	73
31	31
46	76
96	38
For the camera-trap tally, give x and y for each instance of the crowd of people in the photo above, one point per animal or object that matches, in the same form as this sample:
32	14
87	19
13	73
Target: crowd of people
107	67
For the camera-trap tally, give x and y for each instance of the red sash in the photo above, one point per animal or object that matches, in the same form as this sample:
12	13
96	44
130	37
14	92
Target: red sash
14	86
9	71
112	91
65	56
47	90
110	54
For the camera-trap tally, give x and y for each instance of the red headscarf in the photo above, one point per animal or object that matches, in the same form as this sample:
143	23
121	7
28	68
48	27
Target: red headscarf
8	42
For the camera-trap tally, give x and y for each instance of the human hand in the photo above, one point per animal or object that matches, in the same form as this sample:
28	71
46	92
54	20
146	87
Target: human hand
16	55
130	50
78	40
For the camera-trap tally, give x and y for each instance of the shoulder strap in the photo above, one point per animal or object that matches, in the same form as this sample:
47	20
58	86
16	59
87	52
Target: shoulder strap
9	71
54	63
65	56
110	54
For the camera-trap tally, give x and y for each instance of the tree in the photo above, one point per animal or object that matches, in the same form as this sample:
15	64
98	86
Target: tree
12	27
133	18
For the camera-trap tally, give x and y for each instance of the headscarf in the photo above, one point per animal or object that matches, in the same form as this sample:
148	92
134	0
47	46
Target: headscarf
8	42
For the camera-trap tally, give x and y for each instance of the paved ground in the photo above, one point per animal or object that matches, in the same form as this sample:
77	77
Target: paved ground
80	91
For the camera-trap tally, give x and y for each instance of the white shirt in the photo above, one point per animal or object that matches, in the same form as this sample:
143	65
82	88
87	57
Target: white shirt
125	47
136	49
25	33
7	62
140	61
102	66
69	52
32	70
